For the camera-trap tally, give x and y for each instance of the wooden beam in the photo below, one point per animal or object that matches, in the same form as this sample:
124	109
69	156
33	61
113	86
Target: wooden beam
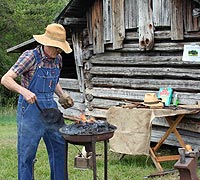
74	21
146	27
118	24
177	20
97	27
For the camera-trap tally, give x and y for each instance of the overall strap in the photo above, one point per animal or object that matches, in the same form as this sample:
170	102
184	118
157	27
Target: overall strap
37	57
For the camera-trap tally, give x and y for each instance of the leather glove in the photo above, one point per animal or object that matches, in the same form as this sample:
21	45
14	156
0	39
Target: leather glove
66	101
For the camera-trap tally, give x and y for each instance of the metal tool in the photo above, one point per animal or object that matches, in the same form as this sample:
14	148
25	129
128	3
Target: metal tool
187	164
161	173
33	166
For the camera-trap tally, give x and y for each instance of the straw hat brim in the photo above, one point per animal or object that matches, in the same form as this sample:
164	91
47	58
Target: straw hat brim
155	105
44	40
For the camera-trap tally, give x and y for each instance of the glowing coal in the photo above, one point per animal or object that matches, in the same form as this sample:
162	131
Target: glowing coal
88	128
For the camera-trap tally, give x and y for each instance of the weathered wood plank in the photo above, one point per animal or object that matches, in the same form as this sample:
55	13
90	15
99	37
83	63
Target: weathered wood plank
161	12
107	20
177	20
97	27
71	84
146	27
77	46
71	22
89	25
118	26
131	14
190	23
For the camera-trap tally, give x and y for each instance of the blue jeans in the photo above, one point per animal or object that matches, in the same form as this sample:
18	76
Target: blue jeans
31	129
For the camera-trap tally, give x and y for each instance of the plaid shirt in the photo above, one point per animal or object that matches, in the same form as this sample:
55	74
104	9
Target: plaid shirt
26	65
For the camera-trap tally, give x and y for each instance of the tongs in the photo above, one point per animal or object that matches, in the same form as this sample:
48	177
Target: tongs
50	115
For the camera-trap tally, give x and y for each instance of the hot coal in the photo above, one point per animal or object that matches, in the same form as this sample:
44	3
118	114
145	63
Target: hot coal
86	128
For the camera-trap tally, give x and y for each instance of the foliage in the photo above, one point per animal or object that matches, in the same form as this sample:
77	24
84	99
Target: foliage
19	21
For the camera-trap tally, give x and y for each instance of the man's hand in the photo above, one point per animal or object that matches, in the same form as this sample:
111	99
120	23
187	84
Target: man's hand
29	96
66	101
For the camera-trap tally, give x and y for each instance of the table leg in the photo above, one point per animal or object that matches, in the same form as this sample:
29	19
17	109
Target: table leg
180	139
172	128
154	159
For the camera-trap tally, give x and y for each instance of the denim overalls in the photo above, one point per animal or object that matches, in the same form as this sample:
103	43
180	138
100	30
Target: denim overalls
31	127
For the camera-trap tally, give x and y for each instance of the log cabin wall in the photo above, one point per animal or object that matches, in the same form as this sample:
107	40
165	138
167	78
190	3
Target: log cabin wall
137	48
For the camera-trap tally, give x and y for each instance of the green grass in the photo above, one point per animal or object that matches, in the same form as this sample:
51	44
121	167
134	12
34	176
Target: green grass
128	168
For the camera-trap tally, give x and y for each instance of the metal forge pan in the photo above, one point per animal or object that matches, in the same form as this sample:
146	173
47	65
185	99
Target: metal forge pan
85	139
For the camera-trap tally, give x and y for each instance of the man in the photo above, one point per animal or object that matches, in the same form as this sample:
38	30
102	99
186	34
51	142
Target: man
39	69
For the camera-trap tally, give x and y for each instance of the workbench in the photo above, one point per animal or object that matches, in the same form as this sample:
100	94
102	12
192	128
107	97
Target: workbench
134	130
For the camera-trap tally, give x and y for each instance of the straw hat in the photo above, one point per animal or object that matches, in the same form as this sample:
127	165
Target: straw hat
55	35
151	100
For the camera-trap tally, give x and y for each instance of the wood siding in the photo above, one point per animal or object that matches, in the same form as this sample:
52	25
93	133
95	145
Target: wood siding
136	47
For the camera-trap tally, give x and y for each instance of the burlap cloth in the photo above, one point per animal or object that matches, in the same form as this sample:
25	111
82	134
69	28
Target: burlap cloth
134	127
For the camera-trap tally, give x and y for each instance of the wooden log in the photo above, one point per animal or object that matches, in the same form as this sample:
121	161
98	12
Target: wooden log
189	138
76	96
140	60
118	93
71	84
151	84
124	94
157	72
163	35
188	123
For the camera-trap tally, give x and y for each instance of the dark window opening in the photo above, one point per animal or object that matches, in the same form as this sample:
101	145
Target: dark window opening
69	66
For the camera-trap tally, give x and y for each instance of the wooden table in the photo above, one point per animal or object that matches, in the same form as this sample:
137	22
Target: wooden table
116	115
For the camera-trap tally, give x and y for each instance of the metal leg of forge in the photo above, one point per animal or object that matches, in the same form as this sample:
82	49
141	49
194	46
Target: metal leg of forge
93	148
187	164
66	161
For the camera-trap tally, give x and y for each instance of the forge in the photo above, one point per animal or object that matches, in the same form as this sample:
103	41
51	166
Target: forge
88	131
